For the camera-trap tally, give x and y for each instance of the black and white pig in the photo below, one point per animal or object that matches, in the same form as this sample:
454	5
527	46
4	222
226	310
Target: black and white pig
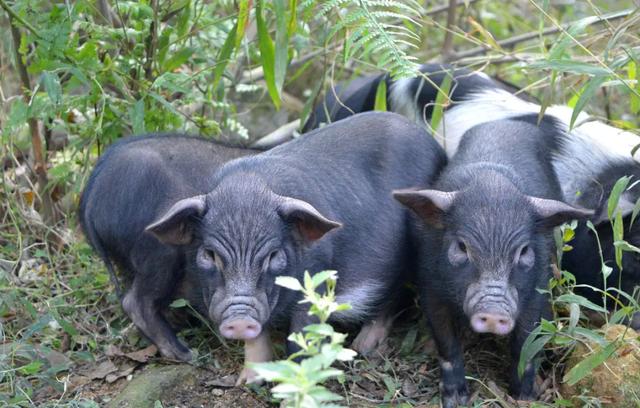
133	183
588	159
487	240
320	202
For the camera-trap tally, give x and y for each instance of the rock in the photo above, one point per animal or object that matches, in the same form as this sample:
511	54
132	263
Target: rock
616	382
155	383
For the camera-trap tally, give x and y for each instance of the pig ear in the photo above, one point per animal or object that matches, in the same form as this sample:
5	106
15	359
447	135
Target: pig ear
174	227
311	225
553	213
430	205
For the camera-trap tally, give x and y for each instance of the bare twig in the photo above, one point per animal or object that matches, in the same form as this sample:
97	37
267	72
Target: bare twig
278	136
447	45
511	42
40	166
107	14
445	7
152	42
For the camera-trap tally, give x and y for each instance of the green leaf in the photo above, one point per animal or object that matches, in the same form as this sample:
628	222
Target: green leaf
289	283
616	192
177	59
182	24
320	329
626	247
224	55
580	300
442	99
346	354
293	6
267	53
586	94
243	18
136	114
282	44
531	347
51	84
408	342
178	303
31	368
618	235
321	277
381	96
586	366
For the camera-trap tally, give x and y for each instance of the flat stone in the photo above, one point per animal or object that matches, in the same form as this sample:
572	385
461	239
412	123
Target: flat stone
155	383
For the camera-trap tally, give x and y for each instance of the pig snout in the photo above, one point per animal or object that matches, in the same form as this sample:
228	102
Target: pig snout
491	307
239	317
488	322
240	327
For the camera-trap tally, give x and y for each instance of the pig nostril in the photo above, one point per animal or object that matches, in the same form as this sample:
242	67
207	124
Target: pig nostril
483	319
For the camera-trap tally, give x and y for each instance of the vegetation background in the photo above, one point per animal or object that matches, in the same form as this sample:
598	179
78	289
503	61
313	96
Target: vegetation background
77	75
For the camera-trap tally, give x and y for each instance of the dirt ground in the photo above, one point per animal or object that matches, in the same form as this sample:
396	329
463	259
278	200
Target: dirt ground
402	372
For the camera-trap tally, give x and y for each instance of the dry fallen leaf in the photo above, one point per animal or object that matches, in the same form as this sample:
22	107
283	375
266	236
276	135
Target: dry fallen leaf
121	373
228	381
102	370
142	356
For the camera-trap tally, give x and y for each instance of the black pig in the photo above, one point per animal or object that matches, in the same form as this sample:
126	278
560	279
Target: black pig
492	212
587	159
320	202
133	183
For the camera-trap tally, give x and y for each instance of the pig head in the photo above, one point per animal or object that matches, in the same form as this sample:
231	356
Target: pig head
247	236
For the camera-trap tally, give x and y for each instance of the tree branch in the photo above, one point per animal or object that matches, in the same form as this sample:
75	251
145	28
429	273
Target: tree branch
152	42
40	165
513	41
447	44
13	16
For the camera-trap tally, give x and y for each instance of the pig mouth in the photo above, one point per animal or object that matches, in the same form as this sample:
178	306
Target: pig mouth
491	307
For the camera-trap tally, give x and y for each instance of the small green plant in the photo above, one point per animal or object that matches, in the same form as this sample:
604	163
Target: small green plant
300	383
566	330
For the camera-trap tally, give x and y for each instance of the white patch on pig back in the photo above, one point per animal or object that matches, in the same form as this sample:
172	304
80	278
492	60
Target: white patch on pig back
584	153
479	107
402	101
363	300
587	150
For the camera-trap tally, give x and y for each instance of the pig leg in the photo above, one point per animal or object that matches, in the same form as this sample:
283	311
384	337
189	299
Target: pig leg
453	387
152	287
523	388
373	333
256	350
299	320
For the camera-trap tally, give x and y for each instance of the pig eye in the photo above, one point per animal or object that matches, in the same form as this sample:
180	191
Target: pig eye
276	262
458	253
525	256
208	259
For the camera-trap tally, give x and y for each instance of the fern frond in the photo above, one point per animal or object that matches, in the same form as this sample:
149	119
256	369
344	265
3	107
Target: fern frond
377	28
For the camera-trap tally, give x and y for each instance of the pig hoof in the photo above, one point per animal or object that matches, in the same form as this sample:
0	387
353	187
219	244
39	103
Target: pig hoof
455	401
370	337
248	376
454	396
184	354
526	397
